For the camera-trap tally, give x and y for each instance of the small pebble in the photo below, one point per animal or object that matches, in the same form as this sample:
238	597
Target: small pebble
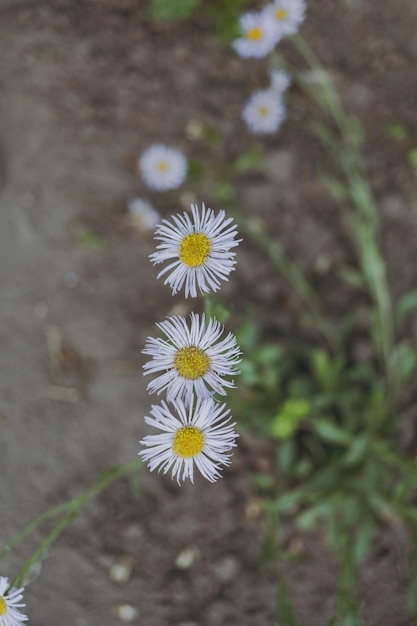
126	612
121	569
187	557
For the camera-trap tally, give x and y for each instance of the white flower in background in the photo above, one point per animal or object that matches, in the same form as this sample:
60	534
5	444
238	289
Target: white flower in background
142	214
163	168
200	434
264	112
10	603
259	35
193	359
287	14
198	248
280	80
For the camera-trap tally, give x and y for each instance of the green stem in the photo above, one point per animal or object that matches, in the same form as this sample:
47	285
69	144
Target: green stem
72	507
293	275
365	222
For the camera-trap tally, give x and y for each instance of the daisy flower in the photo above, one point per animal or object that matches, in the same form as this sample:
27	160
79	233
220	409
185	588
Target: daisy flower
259	35
280	80
9	604
142	214
163	168
193	359
200	435
287	14
198	250
264	112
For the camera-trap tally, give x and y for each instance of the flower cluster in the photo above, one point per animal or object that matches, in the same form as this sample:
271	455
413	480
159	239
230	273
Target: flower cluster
10	603
260	32
193	360
162	168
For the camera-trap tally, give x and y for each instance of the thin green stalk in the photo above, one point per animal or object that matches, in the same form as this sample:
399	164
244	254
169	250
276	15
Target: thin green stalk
73	508
30	528
365	223
294	277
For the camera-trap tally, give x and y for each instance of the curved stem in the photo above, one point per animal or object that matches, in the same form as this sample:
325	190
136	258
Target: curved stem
72	507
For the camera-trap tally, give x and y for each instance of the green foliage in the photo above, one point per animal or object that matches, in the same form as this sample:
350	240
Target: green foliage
224	15
172	9
91	240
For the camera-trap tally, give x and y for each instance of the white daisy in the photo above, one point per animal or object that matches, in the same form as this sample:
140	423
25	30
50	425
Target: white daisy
264	112
193	360
280	80
198	248
200	434
142	214
10	603
163	168
259	35
287	14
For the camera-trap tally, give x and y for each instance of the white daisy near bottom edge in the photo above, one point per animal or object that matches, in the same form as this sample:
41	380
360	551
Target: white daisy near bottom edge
264	112
163	168
199	435
191	360
198	249
10	603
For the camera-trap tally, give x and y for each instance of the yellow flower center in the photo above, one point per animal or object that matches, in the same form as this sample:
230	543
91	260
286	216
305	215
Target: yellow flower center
263	111
194	249
162	166
191	362
254	34
3	607
280	14
188	441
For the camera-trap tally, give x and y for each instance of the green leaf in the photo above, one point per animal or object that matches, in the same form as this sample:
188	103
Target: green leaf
330	432
268	354
91	240
285	455
363	540
396	131
308	519
248	335
286	421
249	160
223	192
405	305
357	451
351	276
335	187
324	369
412	157
405	360
172	9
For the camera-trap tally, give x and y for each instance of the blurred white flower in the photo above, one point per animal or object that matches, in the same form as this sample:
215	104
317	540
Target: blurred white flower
198	248
163	168
264	112
280	80
200	434
191	360
10	603
259	35
142	214
287	14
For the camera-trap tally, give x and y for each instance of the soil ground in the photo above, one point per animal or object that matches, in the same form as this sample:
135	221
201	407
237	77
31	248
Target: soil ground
86	85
